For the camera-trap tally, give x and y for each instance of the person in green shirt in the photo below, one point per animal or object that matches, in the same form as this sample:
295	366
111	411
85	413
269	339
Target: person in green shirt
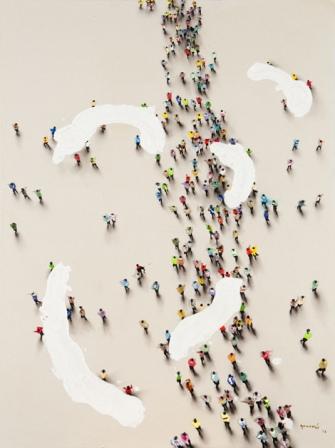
244	379
307	336
13	225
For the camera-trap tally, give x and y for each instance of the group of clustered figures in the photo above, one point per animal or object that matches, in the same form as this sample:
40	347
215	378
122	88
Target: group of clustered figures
186	23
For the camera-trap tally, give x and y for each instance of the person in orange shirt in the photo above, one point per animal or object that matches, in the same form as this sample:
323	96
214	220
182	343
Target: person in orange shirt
232	358
189	386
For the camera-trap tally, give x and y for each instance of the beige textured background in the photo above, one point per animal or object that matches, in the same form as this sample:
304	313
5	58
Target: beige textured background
56	57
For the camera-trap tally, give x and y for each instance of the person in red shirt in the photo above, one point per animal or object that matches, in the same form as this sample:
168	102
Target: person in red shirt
261	422
199	100
266	356
221	271
39	330
182	199
77	158
129	390
223	331
249	253
169	97
191	364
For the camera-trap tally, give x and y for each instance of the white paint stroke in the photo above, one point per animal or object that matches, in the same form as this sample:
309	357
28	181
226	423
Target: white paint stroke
69	365
71	139
276	361
236	158
199	328
297	93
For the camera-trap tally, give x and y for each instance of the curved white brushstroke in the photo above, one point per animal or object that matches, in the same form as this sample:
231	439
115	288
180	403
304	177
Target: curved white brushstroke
199	328
235	157
297	93
68	360
71	139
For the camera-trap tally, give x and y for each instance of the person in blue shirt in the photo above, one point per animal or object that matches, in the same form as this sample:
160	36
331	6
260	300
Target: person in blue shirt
125	284
53	131
138	142
12	186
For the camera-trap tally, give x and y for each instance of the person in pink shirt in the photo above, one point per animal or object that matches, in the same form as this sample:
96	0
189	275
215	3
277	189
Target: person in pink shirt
191	364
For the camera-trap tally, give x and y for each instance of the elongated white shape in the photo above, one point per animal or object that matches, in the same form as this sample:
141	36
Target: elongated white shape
235	157
71	139
297	93
69	364
199	328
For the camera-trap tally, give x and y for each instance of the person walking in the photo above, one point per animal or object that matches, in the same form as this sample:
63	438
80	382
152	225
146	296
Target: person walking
13	225
289	165
12	186
207	400
24	193
93	161
35	299
300	205
232	382
189	386
319	146
185	438
179	379
295	144
82	313
265	355
262	437
226	420
197	426
244	379
46	143
53	132
125	284
216	380
323	364
76	157
315	285
144	324
16	129
181	291
39	330
318	200
307	336
102	314
243	426
155	286
38	193
191	365
233	360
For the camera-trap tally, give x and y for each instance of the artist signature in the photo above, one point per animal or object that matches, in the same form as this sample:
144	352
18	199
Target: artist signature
317	426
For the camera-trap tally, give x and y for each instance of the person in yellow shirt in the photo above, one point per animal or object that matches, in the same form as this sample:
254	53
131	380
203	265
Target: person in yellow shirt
144	324
103	375
200	118
181	314
226	419
323	364
232	359
197	425
181	291
46	143
165	117
294	76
